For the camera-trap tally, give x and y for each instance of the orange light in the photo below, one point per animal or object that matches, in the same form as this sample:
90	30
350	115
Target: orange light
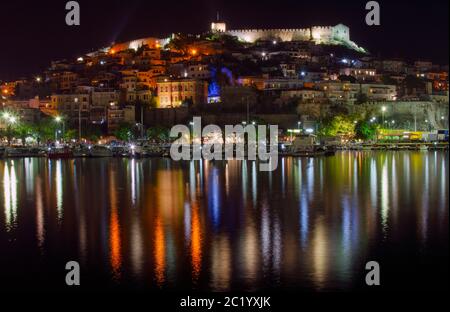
5	91
194	52
112	51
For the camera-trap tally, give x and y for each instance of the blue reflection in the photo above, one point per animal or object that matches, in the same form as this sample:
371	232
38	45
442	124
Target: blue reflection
214	197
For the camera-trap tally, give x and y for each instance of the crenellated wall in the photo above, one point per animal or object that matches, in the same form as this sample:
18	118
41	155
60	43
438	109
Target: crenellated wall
320	34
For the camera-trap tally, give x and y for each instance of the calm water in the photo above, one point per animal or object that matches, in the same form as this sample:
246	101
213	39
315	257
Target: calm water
157	224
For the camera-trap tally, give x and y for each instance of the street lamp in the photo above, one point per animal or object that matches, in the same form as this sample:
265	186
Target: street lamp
59	119
79	118
383	109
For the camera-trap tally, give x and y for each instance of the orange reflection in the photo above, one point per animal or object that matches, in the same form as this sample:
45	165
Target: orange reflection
196	245
114	225
160	249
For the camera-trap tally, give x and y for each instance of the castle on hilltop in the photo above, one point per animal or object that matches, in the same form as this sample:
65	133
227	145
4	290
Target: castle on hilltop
333	35
339	34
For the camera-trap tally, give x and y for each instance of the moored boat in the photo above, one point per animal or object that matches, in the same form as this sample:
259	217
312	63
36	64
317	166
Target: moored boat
100	151
306	146
23	152
60	152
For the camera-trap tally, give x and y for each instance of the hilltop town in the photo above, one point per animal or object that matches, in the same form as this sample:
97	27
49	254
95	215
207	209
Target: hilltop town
296	78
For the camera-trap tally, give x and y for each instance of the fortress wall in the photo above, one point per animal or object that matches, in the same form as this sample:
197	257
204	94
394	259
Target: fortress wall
320	34
135	44
251	35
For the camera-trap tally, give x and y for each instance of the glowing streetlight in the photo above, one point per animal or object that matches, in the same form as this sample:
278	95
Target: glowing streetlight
383	109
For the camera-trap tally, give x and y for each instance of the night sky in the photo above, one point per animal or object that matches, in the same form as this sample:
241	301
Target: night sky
34	32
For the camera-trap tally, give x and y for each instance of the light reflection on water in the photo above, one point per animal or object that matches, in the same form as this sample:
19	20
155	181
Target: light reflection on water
313	223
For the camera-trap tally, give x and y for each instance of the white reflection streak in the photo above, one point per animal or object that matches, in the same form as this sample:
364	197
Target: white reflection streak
133	181
250	253
40	232
265	236
220	264
136	246
384	197
346	226
394	188
187	223
304	219
283	177
425	202
373	183
192	178
277	246
28	162
7	196
310	178
227	179
320	256
59	189
444	188
244	181
254	183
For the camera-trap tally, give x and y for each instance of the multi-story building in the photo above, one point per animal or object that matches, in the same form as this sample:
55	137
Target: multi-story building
304	95
175	92
143	96
71	105
391	66
344	92
129	83
197	71
361	74
62	81
117	115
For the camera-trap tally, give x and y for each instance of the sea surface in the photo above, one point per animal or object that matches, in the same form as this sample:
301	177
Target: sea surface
156	224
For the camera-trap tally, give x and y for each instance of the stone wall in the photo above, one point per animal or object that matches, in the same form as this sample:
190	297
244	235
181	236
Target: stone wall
320	34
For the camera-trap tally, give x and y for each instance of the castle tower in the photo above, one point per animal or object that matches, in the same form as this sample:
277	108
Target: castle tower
218	26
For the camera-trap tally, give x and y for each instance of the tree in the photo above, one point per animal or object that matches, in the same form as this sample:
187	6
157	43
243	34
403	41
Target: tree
388	80
312	110
361	98
365	130
347	78
342	125
7	133
23	130
70	134
158	133
124	132
92	131
44	130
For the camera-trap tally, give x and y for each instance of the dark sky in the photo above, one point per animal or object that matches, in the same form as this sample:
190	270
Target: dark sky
34	32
